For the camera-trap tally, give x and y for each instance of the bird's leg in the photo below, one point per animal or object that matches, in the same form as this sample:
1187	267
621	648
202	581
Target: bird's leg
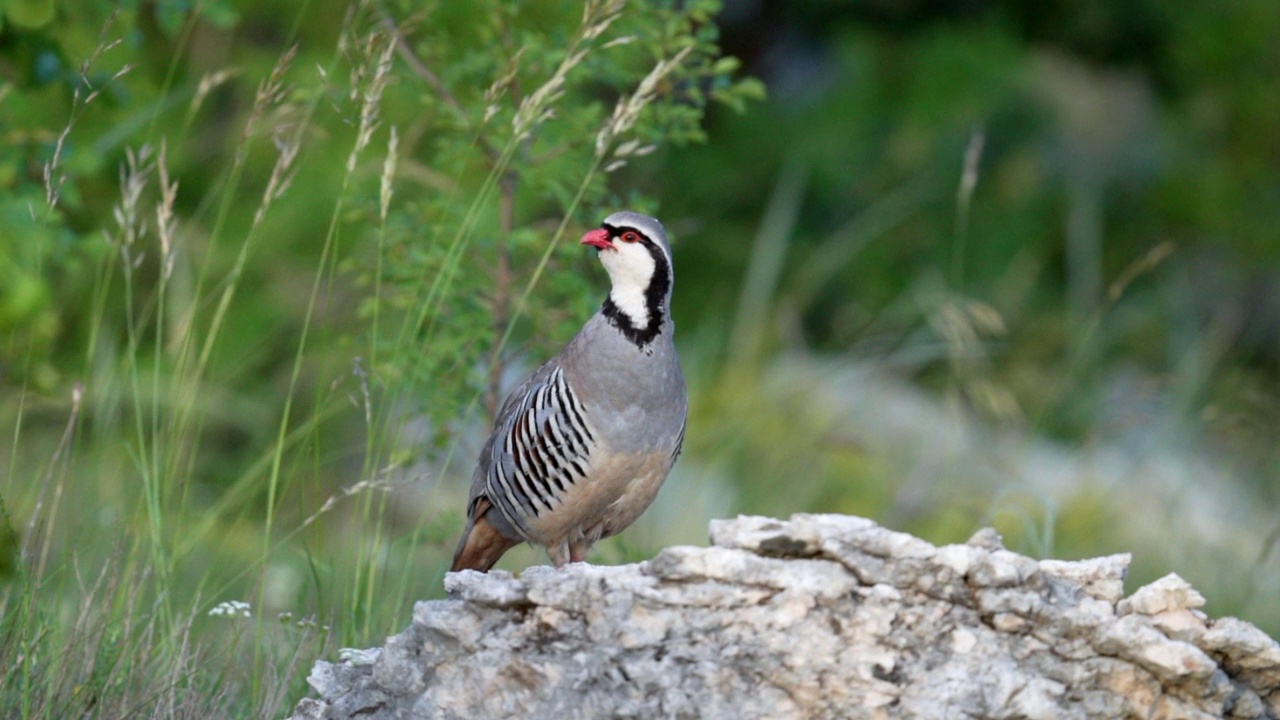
578	551
559	553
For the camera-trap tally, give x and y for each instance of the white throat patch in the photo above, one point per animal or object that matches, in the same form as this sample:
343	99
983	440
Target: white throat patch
631	269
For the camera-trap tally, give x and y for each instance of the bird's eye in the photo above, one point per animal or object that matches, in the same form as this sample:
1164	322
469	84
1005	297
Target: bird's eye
630	236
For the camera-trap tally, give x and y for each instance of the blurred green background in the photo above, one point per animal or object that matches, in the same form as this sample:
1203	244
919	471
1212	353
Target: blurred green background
265	268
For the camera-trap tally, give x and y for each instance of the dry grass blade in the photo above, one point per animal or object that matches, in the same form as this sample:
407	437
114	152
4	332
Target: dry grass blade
964	202
271	93
627	111
135	173
208	83
38	513
386	189
1143	265
166	221
53	178
382	48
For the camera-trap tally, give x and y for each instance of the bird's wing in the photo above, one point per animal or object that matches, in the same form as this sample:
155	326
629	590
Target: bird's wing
540	447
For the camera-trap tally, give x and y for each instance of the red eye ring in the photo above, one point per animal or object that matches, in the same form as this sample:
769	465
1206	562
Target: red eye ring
630	236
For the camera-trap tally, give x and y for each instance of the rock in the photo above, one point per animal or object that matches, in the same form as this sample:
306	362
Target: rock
1167	594
819	616
1103	577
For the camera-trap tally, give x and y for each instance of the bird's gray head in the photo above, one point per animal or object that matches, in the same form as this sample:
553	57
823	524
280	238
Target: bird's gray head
634	250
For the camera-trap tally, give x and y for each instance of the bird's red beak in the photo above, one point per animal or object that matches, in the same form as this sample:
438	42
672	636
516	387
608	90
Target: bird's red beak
598	238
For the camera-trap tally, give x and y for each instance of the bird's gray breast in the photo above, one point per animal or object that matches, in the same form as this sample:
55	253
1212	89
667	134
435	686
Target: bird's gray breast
635	398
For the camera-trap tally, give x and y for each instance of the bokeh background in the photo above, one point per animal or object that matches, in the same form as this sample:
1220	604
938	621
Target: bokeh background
944	264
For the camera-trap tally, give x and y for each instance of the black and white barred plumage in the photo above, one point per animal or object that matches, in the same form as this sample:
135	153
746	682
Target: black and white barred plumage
545	448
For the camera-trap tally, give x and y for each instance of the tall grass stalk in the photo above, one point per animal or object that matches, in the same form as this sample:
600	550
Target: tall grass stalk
964	203
371	99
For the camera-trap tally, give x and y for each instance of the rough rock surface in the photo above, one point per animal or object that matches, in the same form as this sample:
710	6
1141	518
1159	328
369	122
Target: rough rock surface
820	616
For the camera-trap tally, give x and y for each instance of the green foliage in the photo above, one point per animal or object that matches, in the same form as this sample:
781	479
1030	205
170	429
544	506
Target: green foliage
1116	136
235	269
28	14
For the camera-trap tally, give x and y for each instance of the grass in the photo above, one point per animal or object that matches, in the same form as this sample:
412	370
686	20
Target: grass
114	608
147	584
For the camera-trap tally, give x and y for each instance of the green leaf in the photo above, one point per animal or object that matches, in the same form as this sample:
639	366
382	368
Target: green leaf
29	14
751	89
726	65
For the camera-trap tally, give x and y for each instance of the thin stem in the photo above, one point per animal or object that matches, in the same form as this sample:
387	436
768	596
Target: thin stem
964	201
502	291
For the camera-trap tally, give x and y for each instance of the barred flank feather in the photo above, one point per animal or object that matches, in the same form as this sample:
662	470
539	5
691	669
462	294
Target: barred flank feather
543	450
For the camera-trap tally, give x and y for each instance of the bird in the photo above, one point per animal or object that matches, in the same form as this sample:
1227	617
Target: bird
579	449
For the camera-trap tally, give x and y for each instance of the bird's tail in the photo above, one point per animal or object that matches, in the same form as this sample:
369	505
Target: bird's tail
480	547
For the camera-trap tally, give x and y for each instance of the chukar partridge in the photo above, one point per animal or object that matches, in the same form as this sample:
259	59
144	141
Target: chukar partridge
580	448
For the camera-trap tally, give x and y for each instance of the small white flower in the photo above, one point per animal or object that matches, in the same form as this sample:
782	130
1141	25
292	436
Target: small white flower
231	608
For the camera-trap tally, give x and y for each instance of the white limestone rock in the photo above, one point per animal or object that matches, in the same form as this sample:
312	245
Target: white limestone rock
1167	594
819	616
1103	577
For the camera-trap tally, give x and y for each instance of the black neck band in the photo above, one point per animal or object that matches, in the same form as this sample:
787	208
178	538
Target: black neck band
654	294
